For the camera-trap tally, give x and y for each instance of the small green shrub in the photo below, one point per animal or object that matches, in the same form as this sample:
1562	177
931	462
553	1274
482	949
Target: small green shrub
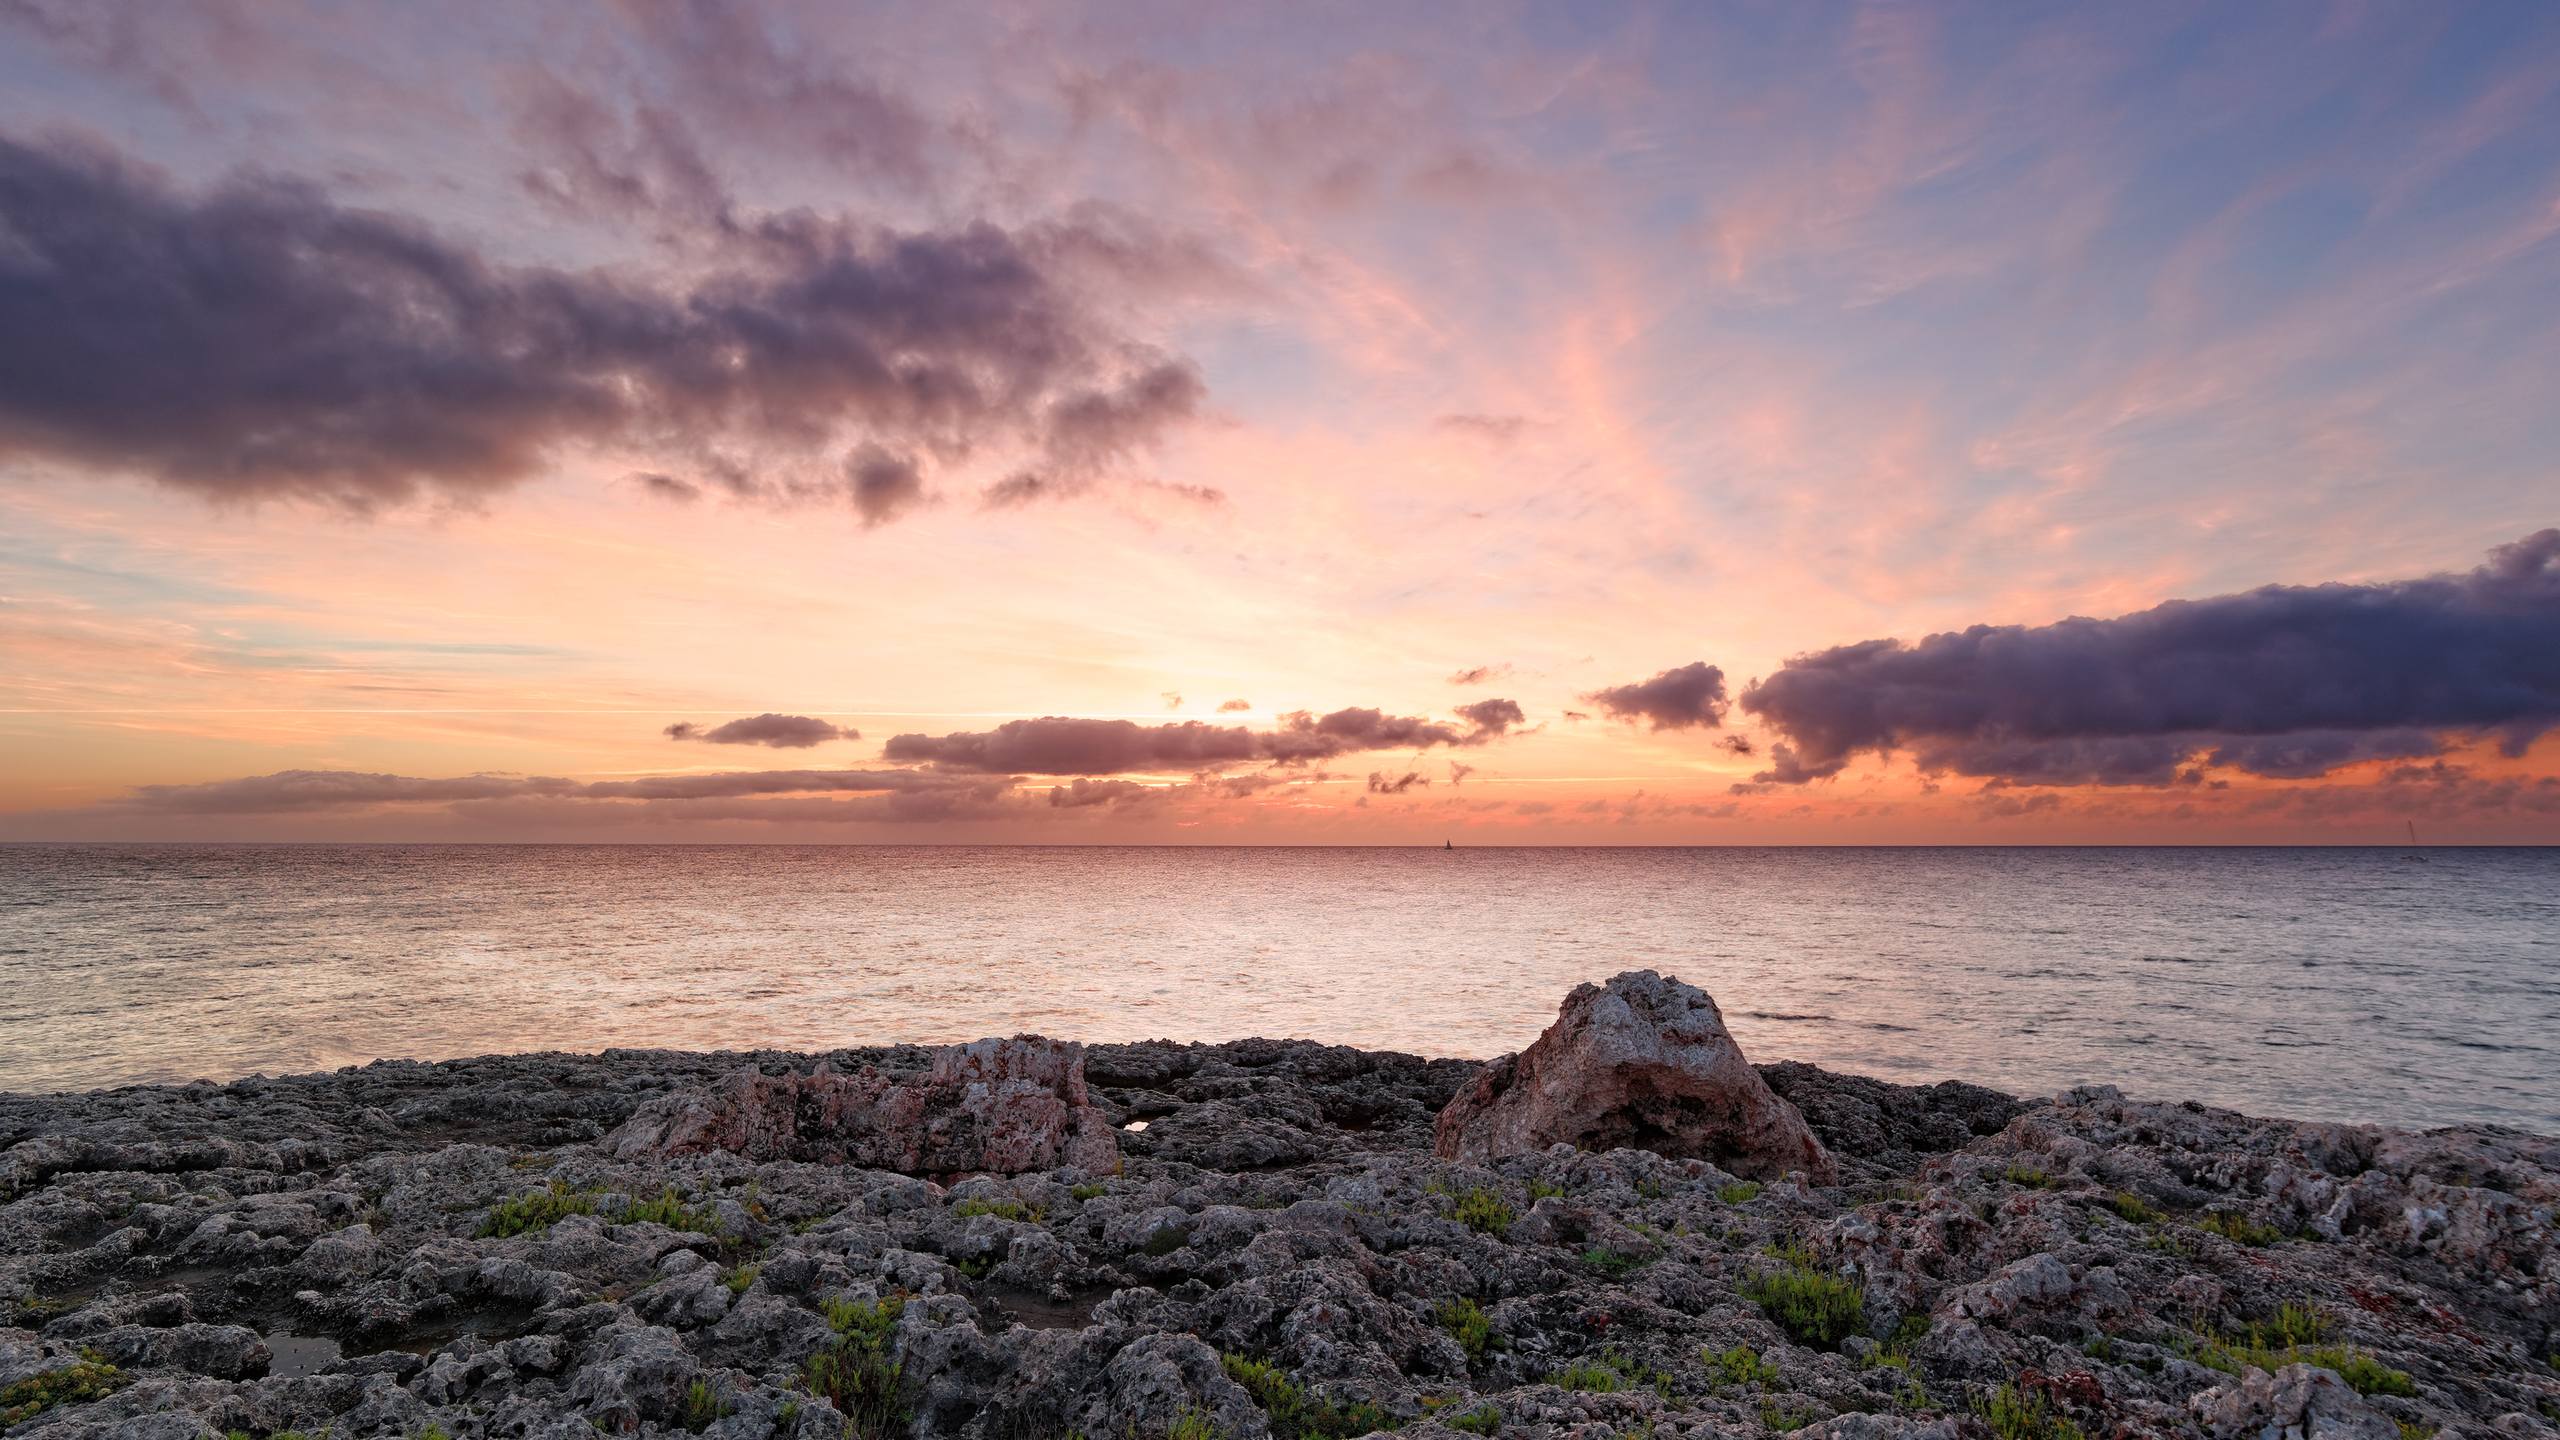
1193	1424
1590	1376
1004	1209
1087	1191
1166	1241
1482	1211
2014	1414
2239	1229
1814	1307
1741	1365
1781	1419
2130	1206
671	1212
1467	1323
537	1210
858	1373
1544	1190
742	1279
1739	1192
1482	1420
1615	1264
1297	1413
2296	1336
83	1380
702	1407
2030	1176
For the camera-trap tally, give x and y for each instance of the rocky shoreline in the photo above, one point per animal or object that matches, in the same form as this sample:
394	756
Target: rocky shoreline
659	1243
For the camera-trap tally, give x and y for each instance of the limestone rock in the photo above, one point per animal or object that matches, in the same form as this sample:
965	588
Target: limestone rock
2298	1402
1001	1106
1643	1062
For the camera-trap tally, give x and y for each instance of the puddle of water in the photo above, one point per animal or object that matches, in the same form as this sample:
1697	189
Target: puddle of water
1041	1311
1135	1125
300	1354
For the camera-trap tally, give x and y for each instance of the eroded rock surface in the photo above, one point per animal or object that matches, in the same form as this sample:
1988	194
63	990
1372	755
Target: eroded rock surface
1643	1062
400	1250
996	1106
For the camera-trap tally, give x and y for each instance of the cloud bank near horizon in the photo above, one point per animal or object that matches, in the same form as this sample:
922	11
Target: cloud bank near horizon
2283	682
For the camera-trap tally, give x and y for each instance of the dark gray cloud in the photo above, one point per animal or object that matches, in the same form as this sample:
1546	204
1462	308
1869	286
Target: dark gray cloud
299	791
1062	745
1084	794
1479	674
259	339
2285	681
1381	784
1493	717
782	732
1690	695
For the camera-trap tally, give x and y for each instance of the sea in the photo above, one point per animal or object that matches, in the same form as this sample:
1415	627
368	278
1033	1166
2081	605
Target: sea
2403	987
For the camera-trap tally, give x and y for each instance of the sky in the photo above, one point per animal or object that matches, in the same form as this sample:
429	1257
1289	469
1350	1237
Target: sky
1316	424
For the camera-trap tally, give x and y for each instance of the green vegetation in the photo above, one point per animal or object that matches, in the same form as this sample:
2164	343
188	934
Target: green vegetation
1783	1419
1740	1365
1006	1209
1543	1190
2014	1414
537	1210
85	1379
2029	1176
1813	1306
671	1212
859	1373
1087	1191
1298	1413
2239	1229
1166	1241
2133	1207
1608	1373
1740	1192
742	1279
1615	1264
2416	1430
2297	1336
1482	1420
702	1407
1193	1424
1467	1323
1482	1211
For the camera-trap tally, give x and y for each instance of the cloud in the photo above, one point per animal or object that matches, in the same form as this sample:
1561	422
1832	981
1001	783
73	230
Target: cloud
2285	682
1062	745
1172	699
259	340
782	732
300	791
1231	707
1084	794
1459	770
1379	784
1496	430
1689	696
1479	674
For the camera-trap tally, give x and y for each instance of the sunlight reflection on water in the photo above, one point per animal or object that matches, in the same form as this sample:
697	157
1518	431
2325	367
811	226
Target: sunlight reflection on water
2333	983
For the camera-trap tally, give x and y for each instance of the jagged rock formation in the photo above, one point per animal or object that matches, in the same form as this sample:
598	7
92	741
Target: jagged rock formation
1000	1107
1643	1062
1281	1257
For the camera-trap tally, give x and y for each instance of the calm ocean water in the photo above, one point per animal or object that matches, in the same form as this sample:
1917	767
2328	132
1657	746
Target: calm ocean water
2350	984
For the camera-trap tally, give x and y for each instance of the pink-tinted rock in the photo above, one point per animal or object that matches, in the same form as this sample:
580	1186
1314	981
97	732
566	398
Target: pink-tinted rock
995	1106
1643	1062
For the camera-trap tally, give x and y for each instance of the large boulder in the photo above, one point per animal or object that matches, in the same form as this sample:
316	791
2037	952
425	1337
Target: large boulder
2298	1402
992	1106
1643	1062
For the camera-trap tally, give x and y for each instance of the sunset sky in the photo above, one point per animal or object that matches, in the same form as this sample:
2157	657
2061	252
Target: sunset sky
1304	424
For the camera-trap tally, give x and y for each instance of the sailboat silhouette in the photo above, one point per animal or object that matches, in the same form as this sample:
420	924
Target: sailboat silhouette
2413	844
